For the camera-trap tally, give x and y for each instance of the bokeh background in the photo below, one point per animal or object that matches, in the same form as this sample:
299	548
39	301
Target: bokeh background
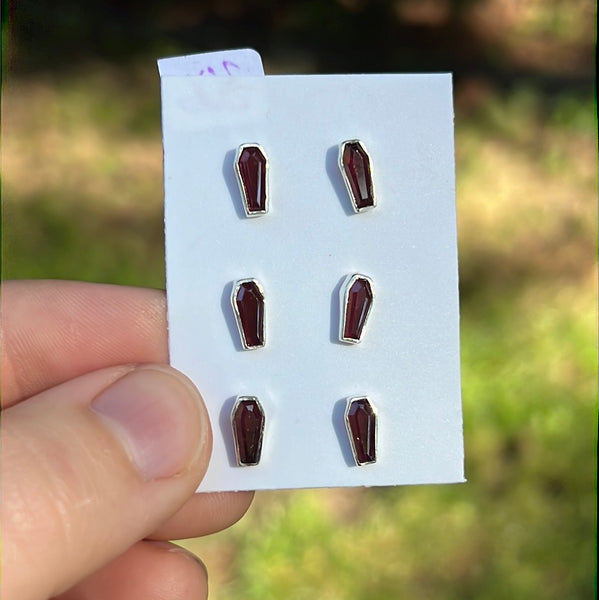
82	199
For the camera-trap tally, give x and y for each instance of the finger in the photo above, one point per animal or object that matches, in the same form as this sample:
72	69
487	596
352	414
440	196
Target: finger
204	514
53	331
92	466
148	570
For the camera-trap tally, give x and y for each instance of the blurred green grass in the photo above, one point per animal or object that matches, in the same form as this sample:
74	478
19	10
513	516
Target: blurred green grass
82	194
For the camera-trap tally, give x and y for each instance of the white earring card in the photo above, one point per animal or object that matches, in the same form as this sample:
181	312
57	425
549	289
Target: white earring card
301	252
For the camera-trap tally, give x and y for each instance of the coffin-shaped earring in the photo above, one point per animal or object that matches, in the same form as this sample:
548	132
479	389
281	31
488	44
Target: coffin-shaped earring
247	421
247	299
356	297
354	162
251	168
361	425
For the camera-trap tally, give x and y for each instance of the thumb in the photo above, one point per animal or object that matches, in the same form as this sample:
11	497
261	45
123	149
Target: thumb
90	467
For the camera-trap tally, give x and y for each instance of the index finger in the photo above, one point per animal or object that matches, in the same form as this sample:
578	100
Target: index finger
53	331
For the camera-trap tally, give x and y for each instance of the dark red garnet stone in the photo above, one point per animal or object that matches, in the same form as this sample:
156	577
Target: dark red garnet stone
359	302
248	425
249	304
251	166
361	420
356	166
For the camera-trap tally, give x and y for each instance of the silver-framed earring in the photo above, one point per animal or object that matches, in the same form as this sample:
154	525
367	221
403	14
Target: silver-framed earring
247	422
356	297
248	302
251	168
356	169
361	424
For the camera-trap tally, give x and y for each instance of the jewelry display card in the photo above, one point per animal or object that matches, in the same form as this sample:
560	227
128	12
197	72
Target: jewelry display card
302	262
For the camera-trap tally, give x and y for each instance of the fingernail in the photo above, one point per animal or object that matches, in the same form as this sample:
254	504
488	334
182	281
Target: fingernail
174	548
158	416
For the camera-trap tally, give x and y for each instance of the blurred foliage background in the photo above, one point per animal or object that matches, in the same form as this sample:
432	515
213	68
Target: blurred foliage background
82	195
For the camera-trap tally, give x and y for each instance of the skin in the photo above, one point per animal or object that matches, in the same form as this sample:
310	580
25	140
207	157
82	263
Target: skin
80	518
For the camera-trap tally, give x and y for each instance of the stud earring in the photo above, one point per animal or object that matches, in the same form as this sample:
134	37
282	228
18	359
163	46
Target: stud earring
247	299
247	421
361	425
356	296
354	162
251	168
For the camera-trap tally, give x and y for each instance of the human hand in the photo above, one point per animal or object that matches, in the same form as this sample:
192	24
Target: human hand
103	446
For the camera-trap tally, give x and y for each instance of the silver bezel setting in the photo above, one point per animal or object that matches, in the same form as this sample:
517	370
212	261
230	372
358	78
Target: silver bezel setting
343	301
350	401
236	287
238	401
244	199
353	199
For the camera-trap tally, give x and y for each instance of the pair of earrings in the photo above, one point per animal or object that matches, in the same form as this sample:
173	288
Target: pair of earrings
251	168
248	300
248	418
